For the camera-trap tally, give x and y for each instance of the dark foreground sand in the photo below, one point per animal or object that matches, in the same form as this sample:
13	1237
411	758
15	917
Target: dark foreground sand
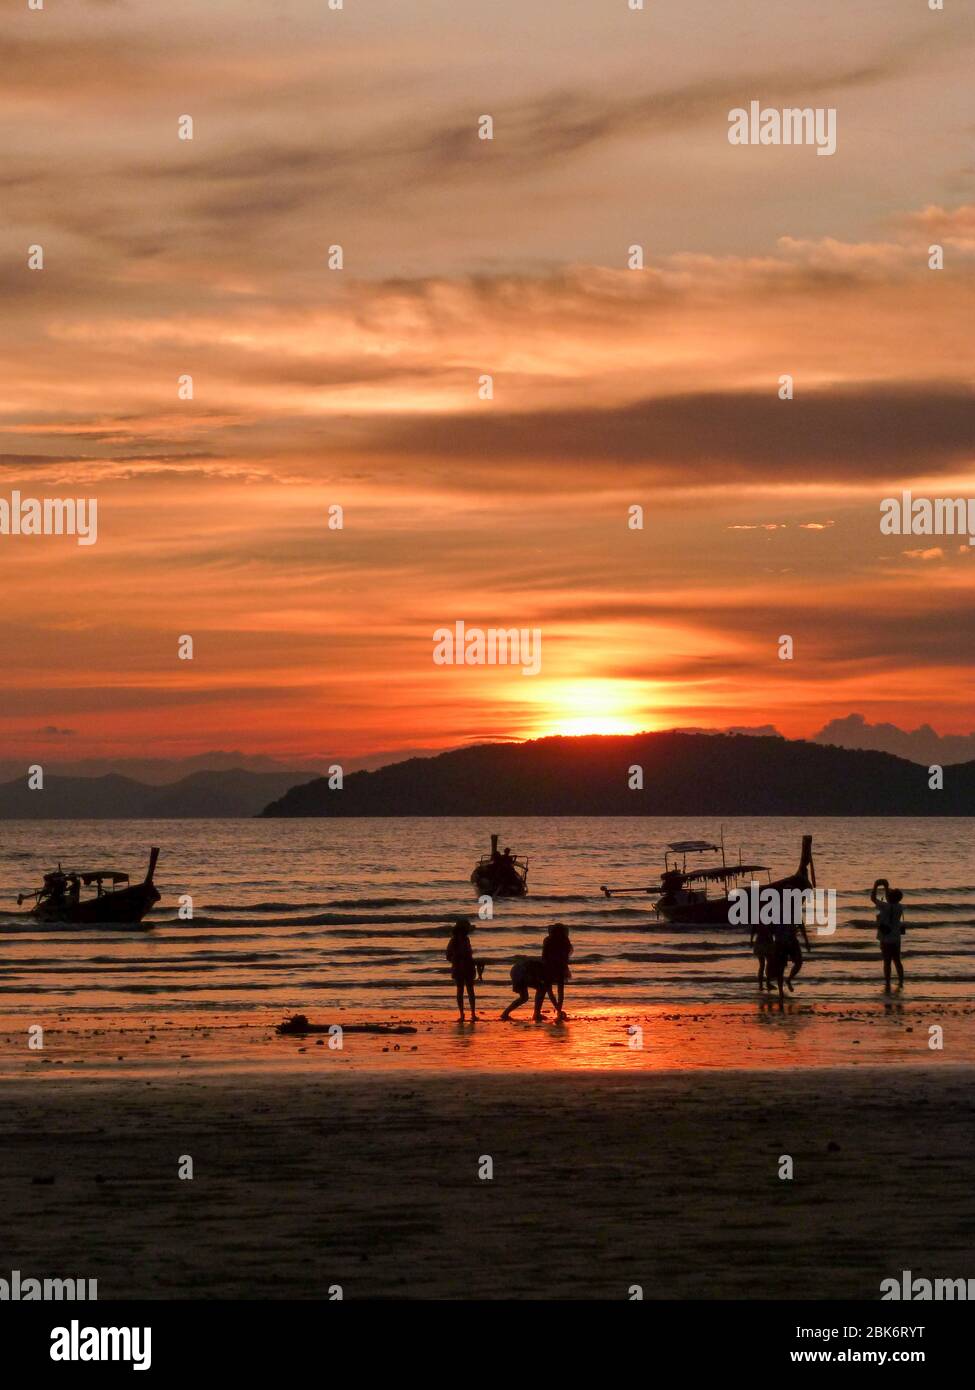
600	1181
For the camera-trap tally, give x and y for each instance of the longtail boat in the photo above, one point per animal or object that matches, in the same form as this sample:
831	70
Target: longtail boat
500	875
699	896
115	902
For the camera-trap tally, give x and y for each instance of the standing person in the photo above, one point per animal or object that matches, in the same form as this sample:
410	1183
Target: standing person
507	876
462	966
762	943
556	950
890	928
785	947
528	973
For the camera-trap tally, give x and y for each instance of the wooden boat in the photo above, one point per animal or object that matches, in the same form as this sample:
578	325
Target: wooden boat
498	875
695	897
116	901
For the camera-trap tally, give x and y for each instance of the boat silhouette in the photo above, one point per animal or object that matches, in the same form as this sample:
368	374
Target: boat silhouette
498	875
685	894
59	899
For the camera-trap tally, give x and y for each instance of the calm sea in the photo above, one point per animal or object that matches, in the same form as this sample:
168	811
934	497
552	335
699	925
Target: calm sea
297	914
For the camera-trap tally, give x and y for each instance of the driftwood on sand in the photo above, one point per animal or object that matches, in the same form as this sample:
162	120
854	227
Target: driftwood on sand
298	1023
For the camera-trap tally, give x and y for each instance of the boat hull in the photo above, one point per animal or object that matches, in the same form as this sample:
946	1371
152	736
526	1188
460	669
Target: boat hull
125	908
487	887
714	912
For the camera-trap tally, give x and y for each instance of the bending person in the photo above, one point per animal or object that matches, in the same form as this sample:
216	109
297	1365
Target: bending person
528	973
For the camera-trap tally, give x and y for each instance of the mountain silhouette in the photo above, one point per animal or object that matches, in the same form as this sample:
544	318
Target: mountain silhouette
202	794
683	775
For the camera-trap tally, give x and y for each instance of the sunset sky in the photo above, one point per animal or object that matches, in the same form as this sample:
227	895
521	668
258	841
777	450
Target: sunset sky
462	257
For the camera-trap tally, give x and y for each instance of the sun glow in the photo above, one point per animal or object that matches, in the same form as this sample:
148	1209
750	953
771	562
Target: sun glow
590	707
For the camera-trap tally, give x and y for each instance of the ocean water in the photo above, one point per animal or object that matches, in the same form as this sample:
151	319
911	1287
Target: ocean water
309	914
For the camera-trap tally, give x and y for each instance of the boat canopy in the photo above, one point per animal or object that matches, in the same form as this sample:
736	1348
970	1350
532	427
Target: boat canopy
729	871
692	846
98	875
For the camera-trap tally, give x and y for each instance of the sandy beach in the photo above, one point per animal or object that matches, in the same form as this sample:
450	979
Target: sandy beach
894	1029
611	1167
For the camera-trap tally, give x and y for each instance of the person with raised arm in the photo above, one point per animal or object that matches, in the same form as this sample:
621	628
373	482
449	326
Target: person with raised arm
890	927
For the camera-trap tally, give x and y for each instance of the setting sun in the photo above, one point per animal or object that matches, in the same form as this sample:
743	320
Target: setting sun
590	707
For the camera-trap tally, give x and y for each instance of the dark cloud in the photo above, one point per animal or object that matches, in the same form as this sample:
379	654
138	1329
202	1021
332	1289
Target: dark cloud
922	745
831	637
266	180
854	433
562	123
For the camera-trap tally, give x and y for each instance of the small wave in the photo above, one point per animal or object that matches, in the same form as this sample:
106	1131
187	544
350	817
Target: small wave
374	902
671	957
607	911
316	906
912	906
946	888
265	907
561	897
319	919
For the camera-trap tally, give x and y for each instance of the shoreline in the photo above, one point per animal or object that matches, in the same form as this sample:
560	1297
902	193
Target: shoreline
740	1038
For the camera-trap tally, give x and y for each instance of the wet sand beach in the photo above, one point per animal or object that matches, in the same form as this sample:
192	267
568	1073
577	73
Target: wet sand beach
360	1168
892	1029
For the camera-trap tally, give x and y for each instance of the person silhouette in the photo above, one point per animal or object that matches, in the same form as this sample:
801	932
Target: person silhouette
785	947
556	950
528	973
762	942
890	928
462	965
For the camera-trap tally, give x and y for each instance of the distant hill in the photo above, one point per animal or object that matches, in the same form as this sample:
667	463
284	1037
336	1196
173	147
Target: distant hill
203	794
683	775
53	753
